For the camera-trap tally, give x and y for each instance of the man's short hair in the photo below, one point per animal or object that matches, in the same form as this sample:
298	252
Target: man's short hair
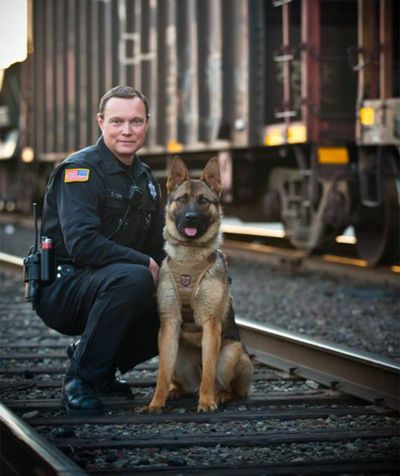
125	92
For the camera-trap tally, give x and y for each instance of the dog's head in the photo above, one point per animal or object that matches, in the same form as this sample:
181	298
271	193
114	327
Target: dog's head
193	209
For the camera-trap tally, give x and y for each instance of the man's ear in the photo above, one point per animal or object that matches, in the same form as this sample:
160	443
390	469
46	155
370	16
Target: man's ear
100	121
211	176
178	173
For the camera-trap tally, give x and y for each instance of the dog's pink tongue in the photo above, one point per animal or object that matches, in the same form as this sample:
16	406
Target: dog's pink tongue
191	231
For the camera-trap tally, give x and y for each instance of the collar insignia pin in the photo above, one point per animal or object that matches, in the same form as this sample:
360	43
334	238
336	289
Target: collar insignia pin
152	190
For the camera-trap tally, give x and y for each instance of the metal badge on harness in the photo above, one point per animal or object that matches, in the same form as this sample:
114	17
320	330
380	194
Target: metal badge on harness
186	279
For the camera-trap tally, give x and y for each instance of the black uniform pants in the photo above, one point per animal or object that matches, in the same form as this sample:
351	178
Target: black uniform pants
114	310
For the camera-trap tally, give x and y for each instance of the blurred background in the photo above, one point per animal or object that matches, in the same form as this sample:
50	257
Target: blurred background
299	99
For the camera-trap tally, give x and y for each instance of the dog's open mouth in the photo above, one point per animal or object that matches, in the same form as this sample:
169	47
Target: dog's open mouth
192	229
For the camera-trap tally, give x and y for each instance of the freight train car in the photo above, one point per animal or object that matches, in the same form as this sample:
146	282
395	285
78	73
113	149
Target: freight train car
298	98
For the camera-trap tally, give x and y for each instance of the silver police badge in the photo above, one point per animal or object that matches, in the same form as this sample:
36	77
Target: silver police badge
152	190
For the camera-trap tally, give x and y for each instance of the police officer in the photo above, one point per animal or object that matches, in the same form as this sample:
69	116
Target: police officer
102	210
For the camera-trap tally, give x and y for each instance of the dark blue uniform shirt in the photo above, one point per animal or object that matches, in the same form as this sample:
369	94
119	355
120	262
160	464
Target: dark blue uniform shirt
89	214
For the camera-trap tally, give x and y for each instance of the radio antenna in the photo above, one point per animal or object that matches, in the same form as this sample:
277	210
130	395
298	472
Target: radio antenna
35	227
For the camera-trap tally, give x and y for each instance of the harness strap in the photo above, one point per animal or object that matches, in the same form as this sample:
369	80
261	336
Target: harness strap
187	278
211	260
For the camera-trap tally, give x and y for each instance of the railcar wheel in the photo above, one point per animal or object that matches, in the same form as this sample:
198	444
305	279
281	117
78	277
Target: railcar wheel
311	221
310	230
377	228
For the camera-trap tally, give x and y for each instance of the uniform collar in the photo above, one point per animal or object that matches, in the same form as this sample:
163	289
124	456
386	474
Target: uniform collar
112	164
138	167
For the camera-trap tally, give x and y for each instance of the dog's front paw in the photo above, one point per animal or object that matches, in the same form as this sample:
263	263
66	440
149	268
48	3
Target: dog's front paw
206	405
155	408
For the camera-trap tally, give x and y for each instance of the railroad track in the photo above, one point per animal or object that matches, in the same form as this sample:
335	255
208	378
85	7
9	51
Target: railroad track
304	415
271	246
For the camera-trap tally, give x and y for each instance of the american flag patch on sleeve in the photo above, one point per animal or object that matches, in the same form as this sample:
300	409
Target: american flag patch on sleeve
76	175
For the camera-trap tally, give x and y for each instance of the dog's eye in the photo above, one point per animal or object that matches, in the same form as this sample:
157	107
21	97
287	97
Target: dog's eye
203	200
183	198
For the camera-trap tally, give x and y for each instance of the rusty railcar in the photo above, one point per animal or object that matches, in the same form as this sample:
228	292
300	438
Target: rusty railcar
299	99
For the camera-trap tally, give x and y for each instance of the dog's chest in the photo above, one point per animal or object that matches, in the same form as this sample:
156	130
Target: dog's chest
187	277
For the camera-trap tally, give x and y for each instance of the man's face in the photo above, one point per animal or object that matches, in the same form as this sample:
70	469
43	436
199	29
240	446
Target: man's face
124	126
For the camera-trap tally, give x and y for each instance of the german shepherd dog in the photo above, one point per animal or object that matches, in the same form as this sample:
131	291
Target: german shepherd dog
198	342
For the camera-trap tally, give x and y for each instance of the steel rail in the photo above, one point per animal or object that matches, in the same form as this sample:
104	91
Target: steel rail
11	261
257	230
22	448
368	376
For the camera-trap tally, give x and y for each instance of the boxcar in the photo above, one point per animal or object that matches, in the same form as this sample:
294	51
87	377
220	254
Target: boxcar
298	99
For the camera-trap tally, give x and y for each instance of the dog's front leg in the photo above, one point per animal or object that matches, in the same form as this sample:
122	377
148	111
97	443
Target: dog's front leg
210	345
168	342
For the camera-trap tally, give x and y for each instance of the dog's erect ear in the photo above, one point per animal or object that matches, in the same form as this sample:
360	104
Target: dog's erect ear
178	173
211	176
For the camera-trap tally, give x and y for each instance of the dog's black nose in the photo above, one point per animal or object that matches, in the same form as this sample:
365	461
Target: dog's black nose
190	216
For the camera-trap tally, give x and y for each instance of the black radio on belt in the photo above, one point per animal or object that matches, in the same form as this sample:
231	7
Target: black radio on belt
39	264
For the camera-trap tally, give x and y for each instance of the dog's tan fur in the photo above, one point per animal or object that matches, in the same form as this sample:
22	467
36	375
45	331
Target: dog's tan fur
204	361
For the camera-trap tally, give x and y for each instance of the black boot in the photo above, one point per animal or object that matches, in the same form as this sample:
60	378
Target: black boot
112	387
80	398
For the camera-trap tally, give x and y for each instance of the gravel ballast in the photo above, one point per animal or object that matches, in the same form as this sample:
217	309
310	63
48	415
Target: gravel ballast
324	429
360	316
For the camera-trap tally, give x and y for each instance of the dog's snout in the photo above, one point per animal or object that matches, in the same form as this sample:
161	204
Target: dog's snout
191	216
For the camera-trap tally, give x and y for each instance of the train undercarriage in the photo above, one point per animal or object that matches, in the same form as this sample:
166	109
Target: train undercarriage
315	205
300	100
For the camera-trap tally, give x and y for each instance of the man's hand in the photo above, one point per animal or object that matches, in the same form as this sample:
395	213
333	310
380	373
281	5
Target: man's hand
154	270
